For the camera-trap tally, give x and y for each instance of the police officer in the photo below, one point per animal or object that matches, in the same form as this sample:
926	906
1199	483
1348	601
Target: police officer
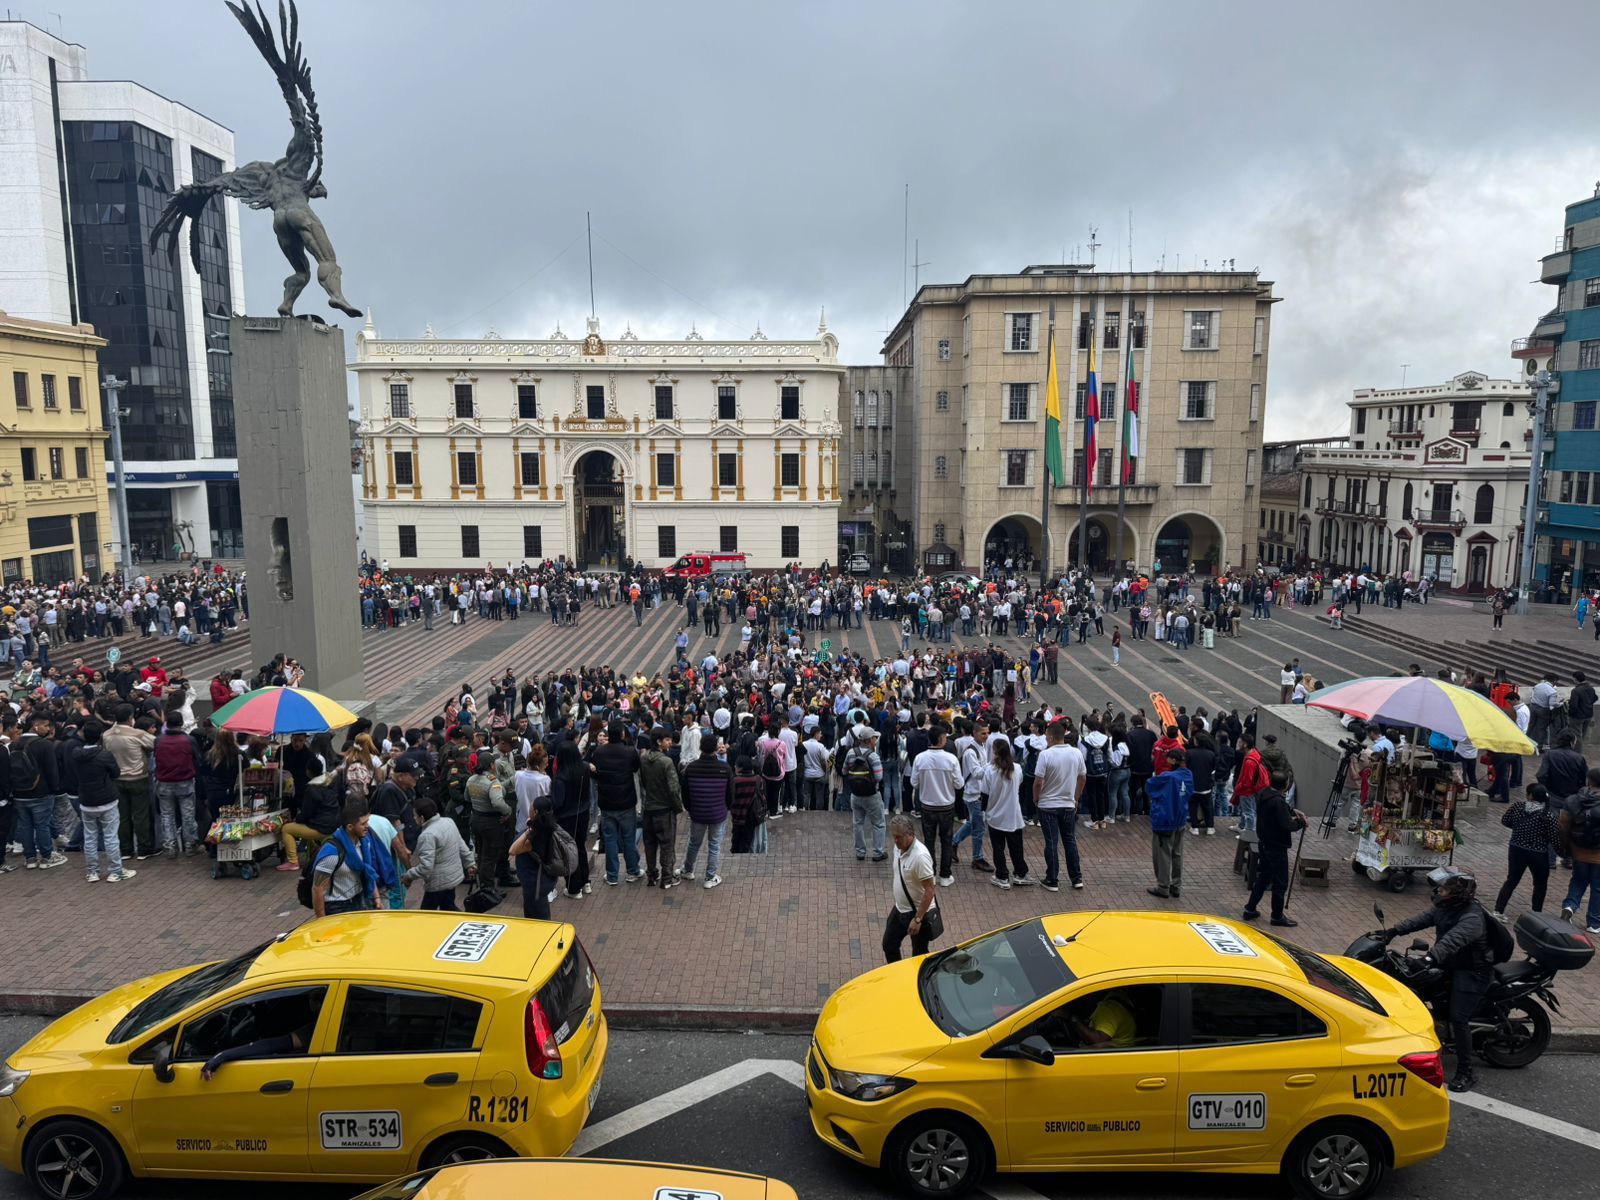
1461	947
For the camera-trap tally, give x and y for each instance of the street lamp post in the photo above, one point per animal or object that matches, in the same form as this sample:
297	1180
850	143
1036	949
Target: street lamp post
113	389
1543	385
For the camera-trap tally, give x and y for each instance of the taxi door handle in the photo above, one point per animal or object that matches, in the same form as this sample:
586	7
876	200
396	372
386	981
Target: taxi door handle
1300	1081
1154	1083
442	1079
278	1085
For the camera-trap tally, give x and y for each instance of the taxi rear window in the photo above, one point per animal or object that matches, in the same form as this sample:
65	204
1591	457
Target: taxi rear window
567	995
966	989
1320	973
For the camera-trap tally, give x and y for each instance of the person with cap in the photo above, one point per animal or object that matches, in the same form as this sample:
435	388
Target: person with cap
863	779
154	674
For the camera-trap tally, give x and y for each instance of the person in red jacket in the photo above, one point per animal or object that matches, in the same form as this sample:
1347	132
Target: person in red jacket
1253	779
1165	744
177	767
154	674
221	693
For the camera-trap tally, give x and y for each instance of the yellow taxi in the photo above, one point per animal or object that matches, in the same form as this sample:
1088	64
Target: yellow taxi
1128	1041
353	1049
518	1179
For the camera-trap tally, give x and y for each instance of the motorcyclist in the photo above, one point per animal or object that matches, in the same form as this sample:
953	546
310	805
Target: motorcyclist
1461	947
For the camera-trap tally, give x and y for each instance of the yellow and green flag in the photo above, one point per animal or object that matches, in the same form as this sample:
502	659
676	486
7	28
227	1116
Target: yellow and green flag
1052	420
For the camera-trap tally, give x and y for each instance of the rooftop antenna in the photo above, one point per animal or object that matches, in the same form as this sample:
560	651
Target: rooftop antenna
589	230
1093	244
916	267
1404	367
1130	240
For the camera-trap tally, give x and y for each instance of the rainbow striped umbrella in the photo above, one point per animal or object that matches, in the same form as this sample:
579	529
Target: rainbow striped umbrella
282	710
1430	703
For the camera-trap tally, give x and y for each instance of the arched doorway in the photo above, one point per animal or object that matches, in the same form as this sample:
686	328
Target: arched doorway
1015	538
1102	542
599	502
1189	541
1438	558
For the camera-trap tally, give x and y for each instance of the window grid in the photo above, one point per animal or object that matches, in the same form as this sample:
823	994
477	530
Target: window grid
74	393
1194	467
790	470
858	409
1583	414
1113	331
667	541
728	538
1021	331
1589	355
407	535
727	403
728	470
944	349
530	468
594	399
80	462
19	387
941	467
1591	292
666	470
789	402
1015	463
533	541
467	468
1198	400
872	410
1260	335
58	465
663	402
1255	401
789	541
469	541
403	469
47	391
1202	328
399	401
1018	406
858	469
464	406
941	401
527	402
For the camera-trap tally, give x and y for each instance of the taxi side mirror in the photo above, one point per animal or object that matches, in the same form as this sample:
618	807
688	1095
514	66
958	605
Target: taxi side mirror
161	1061
1036	1050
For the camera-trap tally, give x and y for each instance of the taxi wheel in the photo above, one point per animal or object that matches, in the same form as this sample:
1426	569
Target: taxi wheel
939	1154
73	1160
1337	1160
465	1147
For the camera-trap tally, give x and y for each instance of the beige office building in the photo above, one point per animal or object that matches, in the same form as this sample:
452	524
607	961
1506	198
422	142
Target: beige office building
975	355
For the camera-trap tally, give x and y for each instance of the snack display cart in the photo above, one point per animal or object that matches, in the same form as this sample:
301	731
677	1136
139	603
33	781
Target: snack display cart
1407	823
251	830
248	832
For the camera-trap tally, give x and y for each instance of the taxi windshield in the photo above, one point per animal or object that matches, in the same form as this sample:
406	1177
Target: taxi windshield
968	988
199	984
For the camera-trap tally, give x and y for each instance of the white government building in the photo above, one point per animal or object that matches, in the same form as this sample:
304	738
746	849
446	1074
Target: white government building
503	451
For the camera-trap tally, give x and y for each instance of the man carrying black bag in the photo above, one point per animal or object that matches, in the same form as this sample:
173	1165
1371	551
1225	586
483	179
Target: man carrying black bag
914	910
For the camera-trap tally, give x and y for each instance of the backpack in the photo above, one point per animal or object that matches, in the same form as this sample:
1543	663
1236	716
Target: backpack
561	854
1030	761
308	870
1501	944
1095	760
858	775
771	765
1585	830
25	775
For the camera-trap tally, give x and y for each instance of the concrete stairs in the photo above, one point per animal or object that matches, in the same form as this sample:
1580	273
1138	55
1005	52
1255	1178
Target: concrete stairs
1522	659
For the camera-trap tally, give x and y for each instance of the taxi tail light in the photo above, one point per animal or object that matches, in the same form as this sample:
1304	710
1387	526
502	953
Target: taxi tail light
1427	1067
544	1053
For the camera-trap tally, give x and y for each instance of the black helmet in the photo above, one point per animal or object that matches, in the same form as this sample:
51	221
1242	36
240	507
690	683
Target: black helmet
1451	885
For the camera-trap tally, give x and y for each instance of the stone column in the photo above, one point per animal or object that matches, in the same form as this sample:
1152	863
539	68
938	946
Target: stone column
293	423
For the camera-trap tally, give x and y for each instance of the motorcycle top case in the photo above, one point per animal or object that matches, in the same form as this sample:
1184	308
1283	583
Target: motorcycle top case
1553	943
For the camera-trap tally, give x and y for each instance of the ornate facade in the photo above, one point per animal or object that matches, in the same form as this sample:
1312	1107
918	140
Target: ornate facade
505	451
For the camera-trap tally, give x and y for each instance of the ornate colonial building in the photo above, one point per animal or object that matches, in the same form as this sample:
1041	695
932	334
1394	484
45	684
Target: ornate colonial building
504	451
1433	482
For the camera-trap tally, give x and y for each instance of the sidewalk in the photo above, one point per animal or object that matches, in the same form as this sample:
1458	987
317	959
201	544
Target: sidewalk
762	951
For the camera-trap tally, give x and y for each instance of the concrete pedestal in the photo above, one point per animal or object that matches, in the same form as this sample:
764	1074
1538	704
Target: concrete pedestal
291	409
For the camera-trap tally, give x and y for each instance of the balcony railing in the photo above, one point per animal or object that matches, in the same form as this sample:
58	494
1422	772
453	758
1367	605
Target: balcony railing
1348	508
1398	429
1465	426
1438	517
1532	347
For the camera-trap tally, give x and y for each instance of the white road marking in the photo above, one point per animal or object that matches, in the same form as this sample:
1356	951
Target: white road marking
1526	1116
1004	1189
631	1120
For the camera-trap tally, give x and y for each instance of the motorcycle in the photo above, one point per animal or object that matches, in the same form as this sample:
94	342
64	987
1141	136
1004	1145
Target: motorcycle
1512	1025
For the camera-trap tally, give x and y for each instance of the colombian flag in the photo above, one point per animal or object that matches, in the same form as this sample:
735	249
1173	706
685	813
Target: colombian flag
1130	417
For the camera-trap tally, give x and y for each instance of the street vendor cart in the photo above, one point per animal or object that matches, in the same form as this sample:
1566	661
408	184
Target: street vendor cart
1407	822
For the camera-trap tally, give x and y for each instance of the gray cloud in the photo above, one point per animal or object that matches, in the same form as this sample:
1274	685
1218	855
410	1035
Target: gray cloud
1396	169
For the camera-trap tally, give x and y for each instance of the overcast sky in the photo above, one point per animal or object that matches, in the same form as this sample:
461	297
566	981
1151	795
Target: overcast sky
1396	169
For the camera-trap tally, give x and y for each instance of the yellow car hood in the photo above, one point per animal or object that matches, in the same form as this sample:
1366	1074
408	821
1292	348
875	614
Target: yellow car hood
83	1030
876	1022
515	1180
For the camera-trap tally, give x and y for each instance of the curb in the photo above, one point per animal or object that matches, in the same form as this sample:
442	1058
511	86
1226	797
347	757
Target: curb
691	1018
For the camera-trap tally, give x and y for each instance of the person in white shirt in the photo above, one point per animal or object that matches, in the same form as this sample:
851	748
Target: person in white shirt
935	776
911	888
1057	786
1003	785
974	759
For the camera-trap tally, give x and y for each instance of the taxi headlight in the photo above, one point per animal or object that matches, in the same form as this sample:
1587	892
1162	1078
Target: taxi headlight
868	1087
11	1080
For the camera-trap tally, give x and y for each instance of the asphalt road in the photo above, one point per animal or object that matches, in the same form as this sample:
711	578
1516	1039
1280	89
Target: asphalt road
759	1125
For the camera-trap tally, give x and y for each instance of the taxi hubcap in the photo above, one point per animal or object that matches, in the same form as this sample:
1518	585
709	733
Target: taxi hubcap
937	1159
1338	1166
68	1168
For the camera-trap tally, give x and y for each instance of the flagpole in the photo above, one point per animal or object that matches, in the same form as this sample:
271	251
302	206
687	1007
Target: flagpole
1122	441
1088	467
1044	519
